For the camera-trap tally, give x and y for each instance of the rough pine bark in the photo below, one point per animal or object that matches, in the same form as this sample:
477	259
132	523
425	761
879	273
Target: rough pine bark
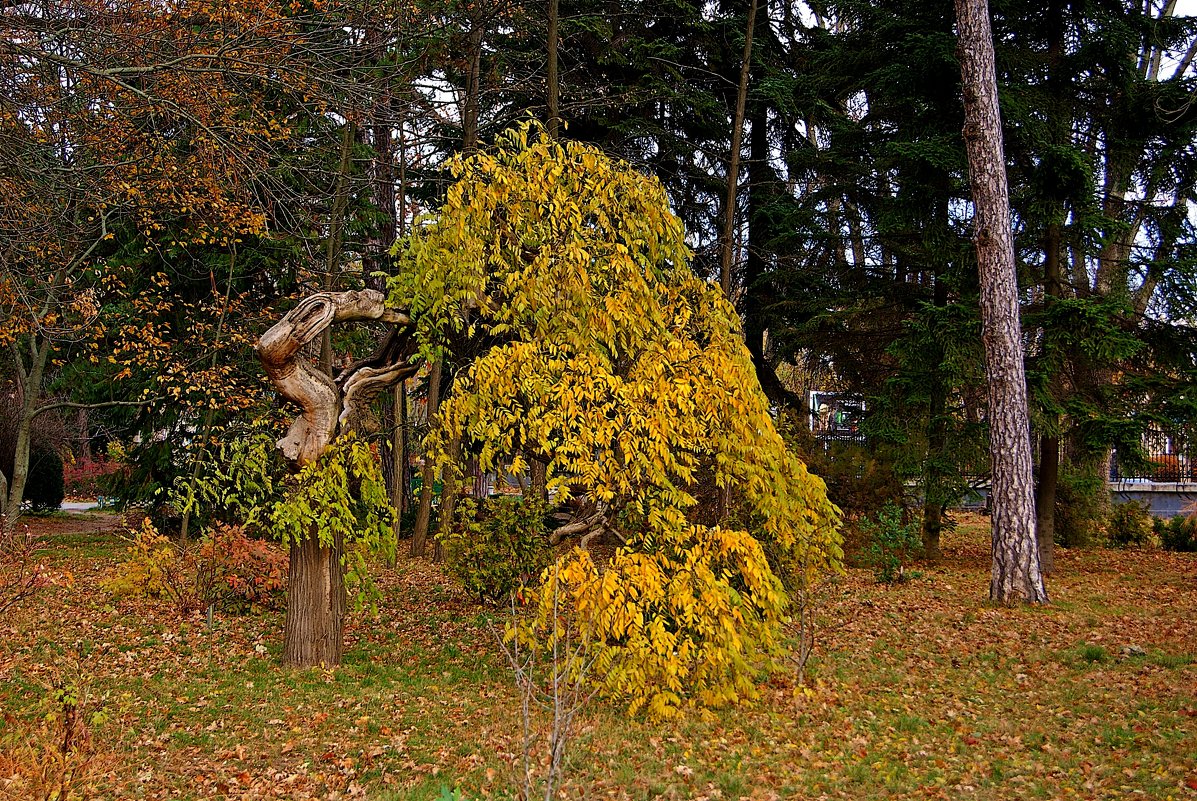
1015	576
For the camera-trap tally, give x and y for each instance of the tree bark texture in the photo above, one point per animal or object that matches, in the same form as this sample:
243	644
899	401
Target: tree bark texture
1015	575
1045	501
419	536
554	87
30	390
315	605
733	163
316	590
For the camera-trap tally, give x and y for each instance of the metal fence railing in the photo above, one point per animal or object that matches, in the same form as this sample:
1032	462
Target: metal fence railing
1164	464
1160	463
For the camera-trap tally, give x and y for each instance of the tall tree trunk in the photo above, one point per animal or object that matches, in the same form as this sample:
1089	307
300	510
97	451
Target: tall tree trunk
1049	442
376	262
469	146
554	88
315	590
1016	575
471	108
315	605
399	480
419	536
1048	478
761	179
336	232
1045	500
733	163
937	435
31	385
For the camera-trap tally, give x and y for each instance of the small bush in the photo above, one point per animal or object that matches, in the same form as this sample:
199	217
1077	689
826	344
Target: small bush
1178	533
44	488
85	478
1081	504
147	560
860	480
251	572
1130	525
54	754
225	568
889	544
501	544
21	574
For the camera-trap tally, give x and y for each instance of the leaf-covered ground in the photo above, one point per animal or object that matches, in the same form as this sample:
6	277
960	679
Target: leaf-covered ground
919	691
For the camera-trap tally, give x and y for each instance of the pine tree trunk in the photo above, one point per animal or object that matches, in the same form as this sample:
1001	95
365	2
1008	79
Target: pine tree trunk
1045	501
1016	575
937	439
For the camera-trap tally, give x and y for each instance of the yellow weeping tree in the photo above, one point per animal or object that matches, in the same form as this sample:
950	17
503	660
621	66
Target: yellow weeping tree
596	354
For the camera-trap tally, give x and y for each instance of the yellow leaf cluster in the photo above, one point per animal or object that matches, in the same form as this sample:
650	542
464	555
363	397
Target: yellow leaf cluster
604	356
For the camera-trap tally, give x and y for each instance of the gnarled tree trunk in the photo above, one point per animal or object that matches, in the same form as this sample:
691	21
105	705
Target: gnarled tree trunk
316	588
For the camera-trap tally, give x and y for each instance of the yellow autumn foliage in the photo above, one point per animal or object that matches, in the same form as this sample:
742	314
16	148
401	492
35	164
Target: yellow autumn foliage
603	355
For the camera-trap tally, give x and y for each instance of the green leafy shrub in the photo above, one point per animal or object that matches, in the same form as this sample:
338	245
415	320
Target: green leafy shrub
1178	533
889	543
860	480
499	545
1130	525
1080	508
45	488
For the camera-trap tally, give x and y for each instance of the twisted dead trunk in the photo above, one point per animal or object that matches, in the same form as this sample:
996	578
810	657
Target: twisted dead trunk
315	583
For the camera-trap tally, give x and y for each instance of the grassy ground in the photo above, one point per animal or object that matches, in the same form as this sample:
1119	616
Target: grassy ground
919	691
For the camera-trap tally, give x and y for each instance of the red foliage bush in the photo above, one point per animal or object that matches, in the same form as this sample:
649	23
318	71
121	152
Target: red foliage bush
225	568
84	478
254	572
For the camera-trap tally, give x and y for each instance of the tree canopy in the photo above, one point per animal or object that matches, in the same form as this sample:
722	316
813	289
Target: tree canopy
593	348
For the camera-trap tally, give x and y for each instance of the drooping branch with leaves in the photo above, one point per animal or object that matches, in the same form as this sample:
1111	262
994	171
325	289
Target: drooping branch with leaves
557	281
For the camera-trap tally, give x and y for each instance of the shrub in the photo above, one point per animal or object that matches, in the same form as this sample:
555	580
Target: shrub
694	622
44	488
1130	525
251	572
225	568
1081	503
889	543
500	545
21	574
85	478
860	480
1178	533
